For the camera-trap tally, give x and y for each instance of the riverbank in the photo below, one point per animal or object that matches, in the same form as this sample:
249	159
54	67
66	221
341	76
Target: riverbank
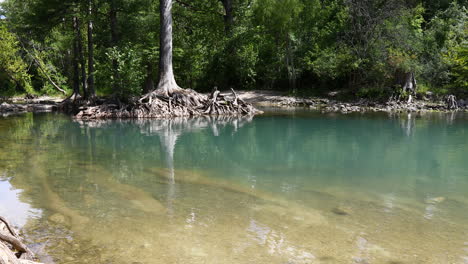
19	105
331	104
269	98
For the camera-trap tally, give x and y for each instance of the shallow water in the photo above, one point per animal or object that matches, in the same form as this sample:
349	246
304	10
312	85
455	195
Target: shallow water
285	187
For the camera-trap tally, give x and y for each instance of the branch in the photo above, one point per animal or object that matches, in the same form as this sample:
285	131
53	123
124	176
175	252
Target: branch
16	243
39	65
48	76
8	226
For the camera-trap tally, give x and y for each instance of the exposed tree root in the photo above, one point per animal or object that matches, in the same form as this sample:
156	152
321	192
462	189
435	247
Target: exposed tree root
11	243
156	104
451	102
8	226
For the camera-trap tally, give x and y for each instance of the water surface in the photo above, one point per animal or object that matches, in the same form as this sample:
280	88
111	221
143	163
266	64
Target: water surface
284	187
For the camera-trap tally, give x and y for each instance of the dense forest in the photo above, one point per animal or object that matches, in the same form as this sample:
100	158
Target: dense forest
368	48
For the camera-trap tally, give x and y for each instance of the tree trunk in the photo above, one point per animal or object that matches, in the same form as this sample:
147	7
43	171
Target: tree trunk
114	42
167	84
408	82
228	15
290	66
92	92
149	82
81	57
451	102
76	61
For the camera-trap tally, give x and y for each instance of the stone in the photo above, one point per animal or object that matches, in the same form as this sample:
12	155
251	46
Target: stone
341	210
58	218
359	260
434	200
461	103
146	245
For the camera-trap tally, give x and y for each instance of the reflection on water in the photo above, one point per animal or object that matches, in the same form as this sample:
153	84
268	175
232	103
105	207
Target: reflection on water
295	187
10	204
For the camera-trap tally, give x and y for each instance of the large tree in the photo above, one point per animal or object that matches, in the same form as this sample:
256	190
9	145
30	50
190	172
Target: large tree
167	84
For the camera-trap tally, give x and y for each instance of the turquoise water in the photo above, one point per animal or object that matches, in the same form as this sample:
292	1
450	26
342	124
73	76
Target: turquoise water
285	187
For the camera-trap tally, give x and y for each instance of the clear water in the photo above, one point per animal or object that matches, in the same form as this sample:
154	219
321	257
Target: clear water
284	187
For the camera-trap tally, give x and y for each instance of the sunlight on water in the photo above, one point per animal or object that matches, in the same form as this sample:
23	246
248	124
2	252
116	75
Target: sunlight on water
285	187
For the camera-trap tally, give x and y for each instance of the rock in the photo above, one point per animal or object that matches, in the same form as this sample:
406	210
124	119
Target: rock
358	260
434	200
461	103
412	109
58	219
341	210
30	96
146	245
465	260
42	107
198	252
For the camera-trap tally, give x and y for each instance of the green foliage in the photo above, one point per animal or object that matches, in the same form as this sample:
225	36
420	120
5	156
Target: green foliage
315	45
13	69
458	60
43	59
331	62
404	45
129	68
444	42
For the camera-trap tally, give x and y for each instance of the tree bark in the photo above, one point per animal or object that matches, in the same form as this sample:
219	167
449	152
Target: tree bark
149	82
16	243
91	90
81	58
409	83
167	84
76	61
452	103
228	15
290	66
114	43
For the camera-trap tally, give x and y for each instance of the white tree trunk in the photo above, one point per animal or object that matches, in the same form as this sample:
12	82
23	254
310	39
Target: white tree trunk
167	84
410	83
91	91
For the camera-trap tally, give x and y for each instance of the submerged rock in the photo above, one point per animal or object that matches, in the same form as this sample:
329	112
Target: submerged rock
341	210
434	200
58	219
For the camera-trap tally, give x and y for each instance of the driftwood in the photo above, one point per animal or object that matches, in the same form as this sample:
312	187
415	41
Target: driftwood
12	249
181	103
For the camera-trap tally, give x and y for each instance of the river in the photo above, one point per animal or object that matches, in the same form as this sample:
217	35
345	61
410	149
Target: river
288	186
